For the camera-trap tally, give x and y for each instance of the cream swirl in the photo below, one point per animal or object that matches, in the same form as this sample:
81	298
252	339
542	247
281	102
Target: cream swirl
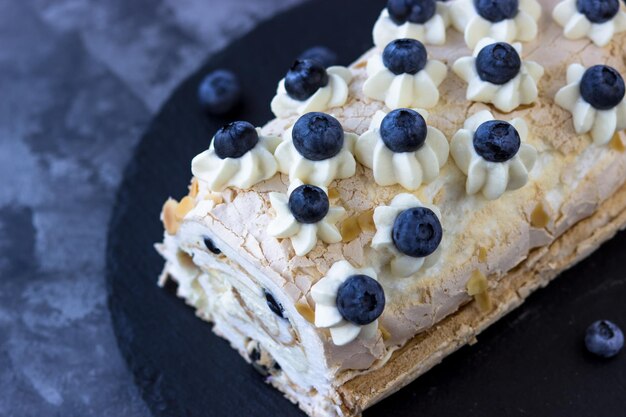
432	32
401	265
256	165
600	124
409	169
521	89
327	315
335	94
577	26
492	178
404	90
522	27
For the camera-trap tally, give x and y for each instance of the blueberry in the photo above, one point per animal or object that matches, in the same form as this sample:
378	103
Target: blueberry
602	87
604	338
417	232
211	246
304	78
235	139
219	92
274	305
403	130
498	63
360	299
308	204
496	141
598	11
405	56
321	54
414	11
496	10
317	136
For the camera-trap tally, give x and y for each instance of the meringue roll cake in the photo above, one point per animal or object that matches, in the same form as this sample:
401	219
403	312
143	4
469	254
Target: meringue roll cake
396	208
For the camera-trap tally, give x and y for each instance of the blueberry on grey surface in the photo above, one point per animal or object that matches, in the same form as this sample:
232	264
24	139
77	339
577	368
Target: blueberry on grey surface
497	10
308	204
598	11
325	56
417	232
496	141
235	139
317	136
304	78
219	92
403	130
211	246
604	338
498	63
414	11
405	56
602	87
360	299
274	305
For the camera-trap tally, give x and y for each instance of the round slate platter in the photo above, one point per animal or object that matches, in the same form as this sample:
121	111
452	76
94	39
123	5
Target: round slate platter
531	363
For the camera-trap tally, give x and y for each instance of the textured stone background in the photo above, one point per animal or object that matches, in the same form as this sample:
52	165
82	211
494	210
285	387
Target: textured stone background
79	81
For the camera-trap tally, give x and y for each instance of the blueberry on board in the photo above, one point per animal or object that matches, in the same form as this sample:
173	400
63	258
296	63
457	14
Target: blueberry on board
604	338
308	204
598	11
414	11
360	299
602	87
417	232
317	136
304	78
498	63
496	141
497	10
274	305
405	56
235	139
219	92
211	246
325	56
403	130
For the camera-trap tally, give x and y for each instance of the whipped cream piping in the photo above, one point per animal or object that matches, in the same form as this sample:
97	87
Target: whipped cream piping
523	27
432	32
409	169
507	97
492	178
327	315
255	166
577	26
335	94
600	124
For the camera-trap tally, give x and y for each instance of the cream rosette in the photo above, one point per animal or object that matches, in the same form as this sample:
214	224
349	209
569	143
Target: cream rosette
522	27
328	315
334	94
431	32
520	90
409	169
577	25
601	125
492	178
401	264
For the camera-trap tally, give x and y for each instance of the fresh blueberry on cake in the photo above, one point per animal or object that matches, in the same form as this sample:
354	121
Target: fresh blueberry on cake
604	339
235	140
405	56
414	11
602	87
308	204
219	92
496	141
318	136
417	232
497	10
360	299
321	54
304	78
598	11
274	305
403	130
498	63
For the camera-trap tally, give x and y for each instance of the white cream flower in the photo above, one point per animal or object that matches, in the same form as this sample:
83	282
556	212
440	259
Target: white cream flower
600	124
520	90
492	178
577	26
257	165
404	90
409	169
327	315
335	94
401	265
523	27
432	32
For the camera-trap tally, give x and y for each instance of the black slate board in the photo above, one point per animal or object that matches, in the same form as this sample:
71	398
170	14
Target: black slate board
531	363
